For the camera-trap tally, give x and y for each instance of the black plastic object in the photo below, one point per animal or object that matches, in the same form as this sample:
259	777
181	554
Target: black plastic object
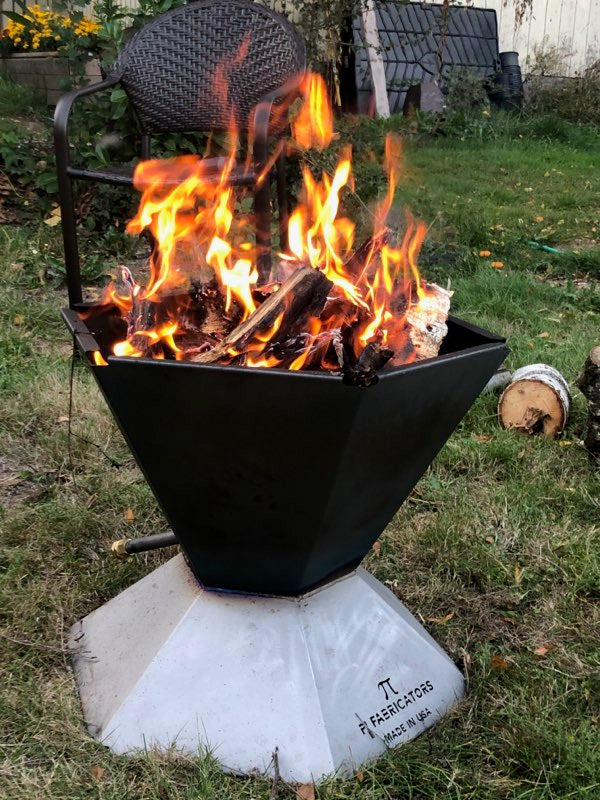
412	38
276	481
508	89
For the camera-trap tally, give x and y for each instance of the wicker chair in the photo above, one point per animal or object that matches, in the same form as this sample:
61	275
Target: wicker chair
169	70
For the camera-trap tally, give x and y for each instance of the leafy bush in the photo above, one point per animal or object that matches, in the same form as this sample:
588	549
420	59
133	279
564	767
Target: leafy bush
576	99
46	30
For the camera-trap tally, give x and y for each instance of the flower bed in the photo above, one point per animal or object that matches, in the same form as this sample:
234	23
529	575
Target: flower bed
32	45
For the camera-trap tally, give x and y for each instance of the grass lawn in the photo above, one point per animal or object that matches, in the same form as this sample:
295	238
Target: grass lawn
496	551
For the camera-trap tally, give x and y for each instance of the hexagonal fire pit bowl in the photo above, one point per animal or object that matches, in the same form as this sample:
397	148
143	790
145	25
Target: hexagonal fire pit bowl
269	635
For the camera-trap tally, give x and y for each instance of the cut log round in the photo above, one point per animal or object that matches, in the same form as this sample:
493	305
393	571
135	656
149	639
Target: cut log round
537	401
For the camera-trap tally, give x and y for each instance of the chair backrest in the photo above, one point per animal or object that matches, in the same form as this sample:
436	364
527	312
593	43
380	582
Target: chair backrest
187	69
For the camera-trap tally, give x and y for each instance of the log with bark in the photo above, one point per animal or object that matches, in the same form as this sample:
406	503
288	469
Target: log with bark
426	321
537	401
372	359
589	384
301	296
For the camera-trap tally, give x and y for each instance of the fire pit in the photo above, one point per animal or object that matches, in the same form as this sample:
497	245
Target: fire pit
280	420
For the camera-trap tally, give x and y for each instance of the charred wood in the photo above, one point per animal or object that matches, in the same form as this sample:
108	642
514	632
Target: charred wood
372	359
299	297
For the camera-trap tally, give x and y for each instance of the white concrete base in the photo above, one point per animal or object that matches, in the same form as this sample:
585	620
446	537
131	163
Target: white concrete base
331	678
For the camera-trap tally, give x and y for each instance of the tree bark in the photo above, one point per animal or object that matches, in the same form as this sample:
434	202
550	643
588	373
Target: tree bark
589	384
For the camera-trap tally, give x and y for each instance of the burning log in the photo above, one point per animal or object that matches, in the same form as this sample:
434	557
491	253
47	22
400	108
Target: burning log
589	384
373	358
426	322
302	295
355	264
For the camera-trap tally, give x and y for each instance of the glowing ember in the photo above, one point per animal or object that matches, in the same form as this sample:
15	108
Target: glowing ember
202	301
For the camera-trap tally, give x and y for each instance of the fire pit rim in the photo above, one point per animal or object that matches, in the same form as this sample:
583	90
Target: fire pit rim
79	329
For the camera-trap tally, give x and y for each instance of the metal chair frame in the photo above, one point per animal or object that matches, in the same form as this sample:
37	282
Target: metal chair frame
161	102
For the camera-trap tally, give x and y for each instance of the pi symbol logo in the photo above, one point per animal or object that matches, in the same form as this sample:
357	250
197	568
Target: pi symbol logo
385	686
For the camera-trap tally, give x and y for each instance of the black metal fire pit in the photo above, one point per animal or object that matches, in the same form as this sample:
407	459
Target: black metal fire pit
273	481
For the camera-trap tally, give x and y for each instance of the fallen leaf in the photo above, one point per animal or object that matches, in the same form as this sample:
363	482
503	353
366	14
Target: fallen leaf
518	575
543	335
482	437
19	319
306	791
521	453
377	548
484	253
490	539
90	501
565	443
541	651
510	620
497	264
51	222
539	218
360	776
499	663
98	772
441	620
62	419
128	515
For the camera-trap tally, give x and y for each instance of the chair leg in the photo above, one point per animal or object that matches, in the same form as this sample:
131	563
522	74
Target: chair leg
282	202
262	216
69	233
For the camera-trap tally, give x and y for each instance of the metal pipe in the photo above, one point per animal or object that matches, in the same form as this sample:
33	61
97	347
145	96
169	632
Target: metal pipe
124	548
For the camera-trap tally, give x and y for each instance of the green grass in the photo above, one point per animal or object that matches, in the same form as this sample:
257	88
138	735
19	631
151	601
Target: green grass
497	550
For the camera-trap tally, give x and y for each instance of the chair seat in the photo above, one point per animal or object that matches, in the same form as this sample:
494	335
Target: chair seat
123	174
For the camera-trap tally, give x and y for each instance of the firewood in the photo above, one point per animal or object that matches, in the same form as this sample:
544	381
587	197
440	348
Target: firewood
426	324
355	263
373	358
589	384
537	401
300	296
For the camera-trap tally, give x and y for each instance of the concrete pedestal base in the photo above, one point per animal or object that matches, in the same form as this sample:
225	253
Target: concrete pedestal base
331	678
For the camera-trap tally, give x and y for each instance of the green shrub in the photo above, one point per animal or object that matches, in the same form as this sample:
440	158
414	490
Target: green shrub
575	99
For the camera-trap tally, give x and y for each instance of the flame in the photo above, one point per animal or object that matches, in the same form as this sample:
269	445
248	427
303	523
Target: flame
98	360
202	238
313	126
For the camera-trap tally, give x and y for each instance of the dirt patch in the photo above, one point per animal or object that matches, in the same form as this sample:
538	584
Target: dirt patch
580	244
30	124
578	283
14	488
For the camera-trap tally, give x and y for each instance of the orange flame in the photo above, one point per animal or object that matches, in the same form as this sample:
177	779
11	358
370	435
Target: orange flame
98	360
313	126
189	207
